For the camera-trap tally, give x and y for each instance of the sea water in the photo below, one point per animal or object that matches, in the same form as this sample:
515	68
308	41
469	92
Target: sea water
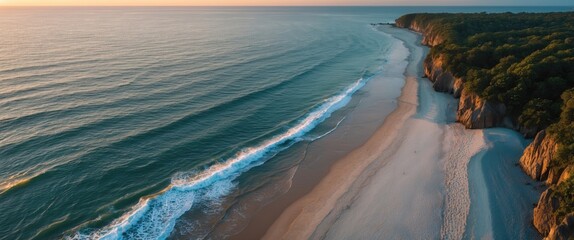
119	122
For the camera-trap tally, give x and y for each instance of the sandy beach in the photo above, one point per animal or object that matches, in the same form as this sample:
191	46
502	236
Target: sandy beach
325	201
362	181
413	178
336	120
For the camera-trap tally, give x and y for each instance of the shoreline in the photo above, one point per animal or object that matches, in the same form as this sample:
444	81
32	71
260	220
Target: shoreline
379	100
420	175
307	217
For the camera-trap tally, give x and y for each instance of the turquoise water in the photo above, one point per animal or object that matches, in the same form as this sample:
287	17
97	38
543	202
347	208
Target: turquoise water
115	122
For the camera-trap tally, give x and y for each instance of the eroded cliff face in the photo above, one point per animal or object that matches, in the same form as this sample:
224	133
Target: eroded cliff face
476	113
563	231
430	36
536	162
473	111
537	156
547	223
443	81
566	174
544	220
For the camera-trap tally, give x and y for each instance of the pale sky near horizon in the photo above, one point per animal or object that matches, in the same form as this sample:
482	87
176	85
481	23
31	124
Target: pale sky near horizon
276	2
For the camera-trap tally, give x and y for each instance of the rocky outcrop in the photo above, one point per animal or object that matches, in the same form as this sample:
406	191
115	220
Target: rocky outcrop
537	156
443	81
475	112
536	162
564	231
544	219
430	36
566	174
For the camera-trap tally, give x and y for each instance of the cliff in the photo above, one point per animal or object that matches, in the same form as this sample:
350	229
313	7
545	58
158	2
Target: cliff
548	223
475	113
544	220
431	36
537	162
563	231
536	158
443	81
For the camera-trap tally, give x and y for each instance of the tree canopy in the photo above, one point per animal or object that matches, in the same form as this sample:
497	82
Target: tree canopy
524	60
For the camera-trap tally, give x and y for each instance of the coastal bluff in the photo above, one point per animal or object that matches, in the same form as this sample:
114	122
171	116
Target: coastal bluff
549	156
473	112
537	163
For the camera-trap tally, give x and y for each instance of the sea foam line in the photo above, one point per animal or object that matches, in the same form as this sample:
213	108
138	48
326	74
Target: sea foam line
155	217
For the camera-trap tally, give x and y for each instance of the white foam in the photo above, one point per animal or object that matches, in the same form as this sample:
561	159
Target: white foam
328	132
155	218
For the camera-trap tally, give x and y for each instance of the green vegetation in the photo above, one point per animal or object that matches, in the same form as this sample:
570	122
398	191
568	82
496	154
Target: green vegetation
563	132
564	192
525	61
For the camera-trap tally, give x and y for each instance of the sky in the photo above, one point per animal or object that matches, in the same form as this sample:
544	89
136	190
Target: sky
276	2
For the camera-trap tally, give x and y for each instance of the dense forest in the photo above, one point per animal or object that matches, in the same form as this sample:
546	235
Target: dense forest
523	60
564	134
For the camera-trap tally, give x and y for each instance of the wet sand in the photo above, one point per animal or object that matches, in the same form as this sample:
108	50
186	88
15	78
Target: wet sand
366	190
416	177
378	104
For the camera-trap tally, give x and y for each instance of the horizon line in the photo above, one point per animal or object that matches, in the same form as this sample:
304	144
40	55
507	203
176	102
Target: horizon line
381	5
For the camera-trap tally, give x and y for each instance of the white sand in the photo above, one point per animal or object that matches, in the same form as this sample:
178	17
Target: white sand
304	217
422	190
409	180
460	145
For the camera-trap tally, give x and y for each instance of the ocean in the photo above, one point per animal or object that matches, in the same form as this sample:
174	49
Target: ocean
164	122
